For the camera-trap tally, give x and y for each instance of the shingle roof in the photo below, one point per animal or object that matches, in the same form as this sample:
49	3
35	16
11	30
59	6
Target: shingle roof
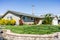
23	14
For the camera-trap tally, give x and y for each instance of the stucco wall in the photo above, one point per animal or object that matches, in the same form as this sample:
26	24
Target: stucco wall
14	17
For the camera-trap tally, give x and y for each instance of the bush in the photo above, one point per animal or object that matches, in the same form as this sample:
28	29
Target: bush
7	22
21	22
12	22
48	19
3	21
0	22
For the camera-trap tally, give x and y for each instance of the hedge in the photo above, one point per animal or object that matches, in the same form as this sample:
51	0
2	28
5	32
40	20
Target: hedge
7	22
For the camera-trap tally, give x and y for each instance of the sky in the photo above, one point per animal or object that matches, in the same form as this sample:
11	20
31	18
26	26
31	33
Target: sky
41	7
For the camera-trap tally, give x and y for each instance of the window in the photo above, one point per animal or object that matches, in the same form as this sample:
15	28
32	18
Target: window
23	17
10	17
32	19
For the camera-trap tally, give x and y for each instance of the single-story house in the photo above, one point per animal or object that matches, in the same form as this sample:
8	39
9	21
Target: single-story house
27	18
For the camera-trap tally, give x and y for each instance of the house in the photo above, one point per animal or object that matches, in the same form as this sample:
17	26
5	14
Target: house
28	18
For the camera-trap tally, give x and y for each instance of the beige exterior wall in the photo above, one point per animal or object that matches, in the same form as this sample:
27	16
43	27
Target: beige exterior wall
14	17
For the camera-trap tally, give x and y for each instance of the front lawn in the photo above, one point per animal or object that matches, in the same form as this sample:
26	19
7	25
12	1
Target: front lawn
34	29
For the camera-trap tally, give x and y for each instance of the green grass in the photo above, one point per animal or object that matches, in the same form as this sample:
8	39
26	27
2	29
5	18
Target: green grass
34	29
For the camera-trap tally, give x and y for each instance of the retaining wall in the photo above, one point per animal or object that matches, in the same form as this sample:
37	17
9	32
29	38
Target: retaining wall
14	36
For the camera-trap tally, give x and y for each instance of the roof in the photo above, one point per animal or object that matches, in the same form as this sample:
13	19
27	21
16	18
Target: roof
25	14
19	13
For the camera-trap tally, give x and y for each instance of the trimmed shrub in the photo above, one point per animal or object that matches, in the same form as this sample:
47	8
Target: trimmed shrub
12	22
3	21
0	22
7	22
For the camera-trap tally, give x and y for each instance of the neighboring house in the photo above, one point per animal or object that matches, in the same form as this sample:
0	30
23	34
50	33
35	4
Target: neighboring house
28	18
55	21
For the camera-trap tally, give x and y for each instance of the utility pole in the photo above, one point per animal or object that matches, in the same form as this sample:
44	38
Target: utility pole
32	9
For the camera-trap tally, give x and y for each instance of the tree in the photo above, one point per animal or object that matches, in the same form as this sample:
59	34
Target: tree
48	19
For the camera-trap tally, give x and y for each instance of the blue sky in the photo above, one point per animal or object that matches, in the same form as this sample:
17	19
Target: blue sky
25	6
